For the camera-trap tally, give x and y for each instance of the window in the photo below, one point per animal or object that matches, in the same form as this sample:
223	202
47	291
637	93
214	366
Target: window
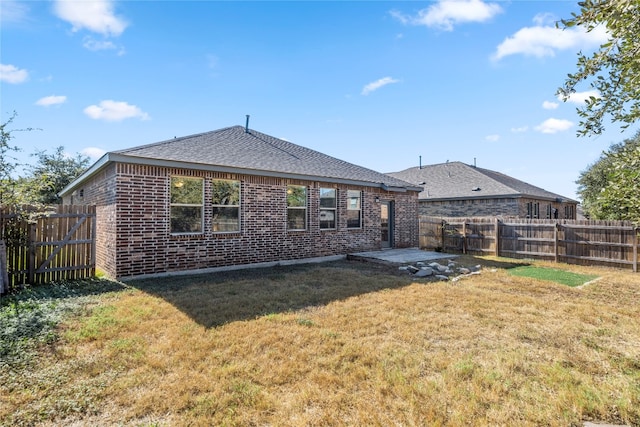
354	209
569	212
533	210
549	211
186	205
225	199
328	208
296	207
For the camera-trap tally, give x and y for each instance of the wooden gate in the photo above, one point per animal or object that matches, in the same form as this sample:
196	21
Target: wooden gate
53	246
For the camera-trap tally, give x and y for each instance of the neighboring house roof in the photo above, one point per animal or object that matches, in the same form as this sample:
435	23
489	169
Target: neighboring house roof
239	150
459	181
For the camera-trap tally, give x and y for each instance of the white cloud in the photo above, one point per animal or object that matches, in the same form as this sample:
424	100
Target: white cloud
541	41
12	74
447	13
542	19
520	129
114	111
548	105
581	97
51	100
95	15
492	138
95	45
554	125
373	86
93	152
13	11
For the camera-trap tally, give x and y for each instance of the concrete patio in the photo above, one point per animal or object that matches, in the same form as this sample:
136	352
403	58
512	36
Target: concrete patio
400	256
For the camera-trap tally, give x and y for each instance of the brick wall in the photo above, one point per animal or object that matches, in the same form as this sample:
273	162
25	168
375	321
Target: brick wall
101	191
505	207
134	238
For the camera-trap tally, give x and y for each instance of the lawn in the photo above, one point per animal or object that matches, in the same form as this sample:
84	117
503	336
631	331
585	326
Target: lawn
344	343
553	274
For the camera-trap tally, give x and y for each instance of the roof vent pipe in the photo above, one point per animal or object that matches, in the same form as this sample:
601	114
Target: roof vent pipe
246	126
420	162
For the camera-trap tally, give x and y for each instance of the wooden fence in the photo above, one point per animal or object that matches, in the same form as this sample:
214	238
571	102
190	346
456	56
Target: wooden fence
583	242
52	246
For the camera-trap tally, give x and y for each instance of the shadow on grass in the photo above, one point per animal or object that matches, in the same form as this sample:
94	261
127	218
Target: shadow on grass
62	290
215	299
29	316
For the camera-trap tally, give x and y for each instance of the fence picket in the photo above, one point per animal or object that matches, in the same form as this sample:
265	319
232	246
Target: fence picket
584	242
59	245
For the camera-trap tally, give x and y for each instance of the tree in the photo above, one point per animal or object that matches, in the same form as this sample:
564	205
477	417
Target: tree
620	199
8	163
613	70
609	187
50	175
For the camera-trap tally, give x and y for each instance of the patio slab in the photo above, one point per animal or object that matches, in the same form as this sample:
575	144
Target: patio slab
401	256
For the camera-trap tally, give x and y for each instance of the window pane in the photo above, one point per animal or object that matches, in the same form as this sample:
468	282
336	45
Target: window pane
226	219
186	219
353	199
354	209
327	198
327	219
225	192
353	219
296	196
186	191
296	219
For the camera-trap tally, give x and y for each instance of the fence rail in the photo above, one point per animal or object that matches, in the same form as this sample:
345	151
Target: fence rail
52	246
584	242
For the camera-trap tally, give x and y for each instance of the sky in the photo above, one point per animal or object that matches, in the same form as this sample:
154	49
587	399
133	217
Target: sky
387	85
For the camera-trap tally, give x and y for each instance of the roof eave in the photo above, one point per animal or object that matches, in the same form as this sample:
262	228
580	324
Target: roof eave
499	196
399	189
122	158
94	169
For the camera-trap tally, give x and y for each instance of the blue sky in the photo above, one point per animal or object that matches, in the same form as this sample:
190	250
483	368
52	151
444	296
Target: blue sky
375	83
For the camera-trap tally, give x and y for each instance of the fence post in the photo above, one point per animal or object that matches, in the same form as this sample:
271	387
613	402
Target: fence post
464	237
443	230
4	273
31	268
635	249
556	230
497	240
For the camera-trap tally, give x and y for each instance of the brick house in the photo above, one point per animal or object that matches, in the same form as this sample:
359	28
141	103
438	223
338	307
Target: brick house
455	189
233	197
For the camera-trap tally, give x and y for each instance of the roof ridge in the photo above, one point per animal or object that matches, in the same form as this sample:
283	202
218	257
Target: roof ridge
174	139
237	148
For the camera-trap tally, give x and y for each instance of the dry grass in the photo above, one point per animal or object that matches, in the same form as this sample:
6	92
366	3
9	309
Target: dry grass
345	343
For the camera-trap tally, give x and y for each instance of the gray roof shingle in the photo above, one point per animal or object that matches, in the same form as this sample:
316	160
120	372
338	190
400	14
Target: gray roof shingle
251	152
457	180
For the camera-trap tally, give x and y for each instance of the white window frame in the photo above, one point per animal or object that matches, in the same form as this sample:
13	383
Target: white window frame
350	195
174	182
216	205
301	208
328	210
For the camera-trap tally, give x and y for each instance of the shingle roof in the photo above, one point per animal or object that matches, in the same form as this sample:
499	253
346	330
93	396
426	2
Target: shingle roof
457	180
251	152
